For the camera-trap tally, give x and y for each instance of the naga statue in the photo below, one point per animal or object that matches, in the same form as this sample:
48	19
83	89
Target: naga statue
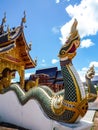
92	92
31	84
68	105
5	79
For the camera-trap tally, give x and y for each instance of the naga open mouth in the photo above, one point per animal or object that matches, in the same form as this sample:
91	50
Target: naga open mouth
72	49
69	50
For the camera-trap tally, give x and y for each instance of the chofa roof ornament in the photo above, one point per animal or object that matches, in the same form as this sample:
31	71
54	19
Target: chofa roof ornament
2	24
4	19
23	19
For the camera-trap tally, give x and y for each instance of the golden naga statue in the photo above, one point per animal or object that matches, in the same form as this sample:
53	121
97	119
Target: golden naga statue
68	105
92	92
5	79
30	84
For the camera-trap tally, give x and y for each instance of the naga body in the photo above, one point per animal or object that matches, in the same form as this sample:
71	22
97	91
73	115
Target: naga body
68	105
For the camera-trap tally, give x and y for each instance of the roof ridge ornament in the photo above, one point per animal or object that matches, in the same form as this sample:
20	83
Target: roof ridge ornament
2	24
30	46
4	18
23	19
35	61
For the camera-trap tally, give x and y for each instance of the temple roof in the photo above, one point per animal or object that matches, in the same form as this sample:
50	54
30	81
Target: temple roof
49	71
15	38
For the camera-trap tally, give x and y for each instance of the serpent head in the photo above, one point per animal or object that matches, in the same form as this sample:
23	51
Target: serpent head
68	50
91	72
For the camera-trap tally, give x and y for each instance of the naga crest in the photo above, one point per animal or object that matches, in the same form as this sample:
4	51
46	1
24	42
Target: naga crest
91	72
68	50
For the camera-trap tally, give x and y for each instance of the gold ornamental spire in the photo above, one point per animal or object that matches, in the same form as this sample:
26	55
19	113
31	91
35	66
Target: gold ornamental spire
4	19
23	19
2	24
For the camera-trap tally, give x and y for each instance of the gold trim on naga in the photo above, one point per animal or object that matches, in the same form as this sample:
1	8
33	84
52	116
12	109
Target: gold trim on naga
56	105
80	107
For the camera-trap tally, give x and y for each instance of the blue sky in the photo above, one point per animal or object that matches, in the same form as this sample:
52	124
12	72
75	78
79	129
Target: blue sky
48	25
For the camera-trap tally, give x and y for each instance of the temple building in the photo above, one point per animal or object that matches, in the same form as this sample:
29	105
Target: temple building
14	52
50	77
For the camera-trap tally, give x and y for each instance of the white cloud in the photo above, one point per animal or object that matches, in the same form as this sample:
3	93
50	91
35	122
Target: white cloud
82	73
87	18
27	75
54	61
55	30
43	63
86	43
57	1
95	63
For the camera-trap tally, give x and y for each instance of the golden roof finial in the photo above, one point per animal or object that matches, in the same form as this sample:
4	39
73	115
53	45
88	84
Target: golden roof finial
23	19
2	24
30	46
4	19
35	61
